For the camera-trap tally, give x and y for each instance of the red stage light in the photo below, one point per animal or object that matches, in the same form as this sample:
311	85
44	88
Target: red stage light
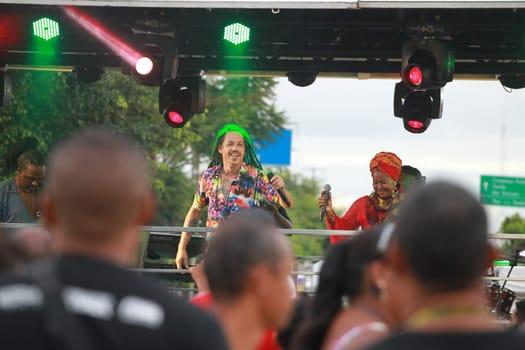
175	117
415	76
416	124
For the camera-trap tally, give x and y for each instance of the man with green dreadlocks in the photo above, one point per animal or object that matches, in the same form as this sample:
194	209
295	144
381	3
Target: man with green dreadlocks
234	179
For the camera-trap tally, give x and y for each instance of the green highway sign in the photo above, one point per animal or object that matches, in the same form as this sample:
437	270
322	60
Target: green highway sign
503	190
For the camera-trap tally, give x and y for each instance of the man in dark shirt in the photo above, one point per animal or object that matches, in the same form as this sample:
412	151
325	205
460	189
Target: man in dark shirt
18	195
436	254
98	192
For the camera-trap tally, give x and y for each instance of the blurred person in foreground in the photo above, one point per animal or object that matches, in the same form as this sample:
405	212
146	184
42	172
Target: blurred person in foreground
436	254
234	179
247	266
347	312
371	209
97	194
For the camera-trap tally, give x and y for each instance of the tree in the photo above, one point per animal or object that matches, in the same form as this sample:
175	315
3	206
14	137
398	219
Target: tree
305	213
52	105
513	224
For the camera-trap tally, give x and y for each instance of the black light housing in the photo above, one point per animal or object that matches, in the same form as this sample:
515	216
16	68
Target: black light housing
417	108
88	74
181	98
512	81
302	79
148	68
427	64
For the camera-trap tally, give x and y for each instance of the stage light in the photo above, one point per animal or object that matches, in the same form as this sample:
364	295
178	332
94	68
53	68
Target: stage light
417	108
427	64
180	99
88	74
302	78
46	28
5	89
512	81
237	33
144	65
148	68
415	75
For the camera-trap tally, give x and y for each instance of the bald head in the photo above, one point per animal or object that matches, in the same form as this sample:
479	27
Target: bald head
96	186
248	239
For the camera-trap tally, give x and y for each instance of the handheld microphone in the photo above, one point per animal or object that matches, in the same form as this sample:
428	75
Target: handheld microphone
326	194
280	191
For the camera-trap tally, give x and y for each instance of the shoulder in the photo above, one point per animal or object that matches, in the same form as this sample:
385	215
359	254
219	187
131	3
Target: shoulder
192	321
361	201
211	170
7	184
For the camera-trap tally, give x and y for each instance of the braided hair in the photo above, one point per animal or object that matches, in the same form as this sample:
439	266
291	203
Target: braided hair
250	158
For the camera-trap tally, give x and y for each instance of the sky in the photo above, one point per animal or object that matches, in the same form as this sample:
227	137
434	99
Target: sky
338	125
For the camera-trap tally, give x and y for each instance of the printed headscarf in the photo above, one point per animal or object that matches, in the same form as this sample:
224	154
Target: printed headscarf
250	158
388	163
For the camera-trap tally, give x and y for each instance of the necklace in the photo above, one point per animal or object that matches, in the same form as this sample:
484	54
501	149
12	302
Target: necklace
428	315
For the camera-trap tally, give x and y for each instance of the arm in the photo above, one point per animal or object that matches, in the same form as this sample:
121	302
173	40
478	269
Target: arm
349	221
191	220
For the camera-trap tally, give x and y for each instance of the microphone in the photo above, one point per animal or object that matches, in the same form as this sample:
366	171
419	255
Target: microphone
280	191
326	194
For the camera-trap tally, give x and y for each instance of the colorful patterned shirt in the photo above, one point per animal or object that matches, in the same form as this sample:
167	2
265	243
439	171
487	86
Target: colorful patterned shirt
250	189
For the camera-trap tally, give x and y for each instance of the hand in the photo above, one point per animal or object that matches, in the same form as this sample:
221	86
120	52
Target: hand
277	182
181	260
321	202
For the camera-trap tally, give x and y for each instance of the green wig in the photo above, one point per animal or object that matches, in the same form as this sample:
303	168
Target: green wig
250	158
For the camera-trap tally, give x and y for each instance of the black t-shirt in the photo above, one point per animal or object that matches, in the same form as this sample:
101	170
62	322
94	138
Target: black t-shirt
502	340
117	309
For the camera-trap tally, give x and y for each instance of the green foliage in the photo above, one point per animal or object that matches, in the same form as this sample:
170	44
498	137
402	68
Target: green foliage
52	105
305	213
513	224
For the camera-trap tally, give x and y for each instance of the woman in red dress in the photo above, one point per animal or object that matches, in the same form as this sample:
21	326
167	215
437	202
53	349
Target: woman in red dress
371	209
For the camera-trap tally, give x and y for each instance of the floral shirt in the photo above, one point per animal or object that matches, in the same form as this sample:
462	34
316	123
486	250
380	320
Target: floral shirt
251	188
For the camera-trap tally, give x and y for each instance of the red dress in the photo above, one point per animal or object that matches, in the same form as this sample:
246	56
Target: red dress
361	214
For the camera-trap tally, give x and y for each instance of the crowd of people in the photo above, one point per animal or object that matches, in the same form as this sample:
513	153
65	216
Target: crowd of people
410	279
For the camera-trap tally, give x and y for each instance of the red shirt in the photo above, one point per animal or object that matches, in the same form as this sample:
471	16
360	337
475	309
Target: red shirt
204	300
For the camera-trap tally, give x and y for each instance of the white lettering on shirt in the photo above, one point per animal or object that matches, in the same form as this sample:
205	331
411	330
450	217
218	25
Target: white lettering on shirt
89	302
140	312
19	296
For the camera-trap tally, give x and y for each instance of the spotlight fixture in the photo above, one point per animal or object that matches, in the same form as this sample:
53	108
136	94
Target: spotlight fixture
427	64
417	108
180	99
302	79
88	74
512	81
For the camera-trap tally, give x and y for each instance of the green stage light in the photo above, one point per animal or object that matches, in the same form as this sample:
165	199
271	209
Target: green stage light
46	28
237	33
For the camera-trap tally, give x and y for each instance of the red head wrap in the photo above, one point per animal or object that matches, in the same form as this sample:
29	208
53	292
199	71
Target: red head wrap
387	163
